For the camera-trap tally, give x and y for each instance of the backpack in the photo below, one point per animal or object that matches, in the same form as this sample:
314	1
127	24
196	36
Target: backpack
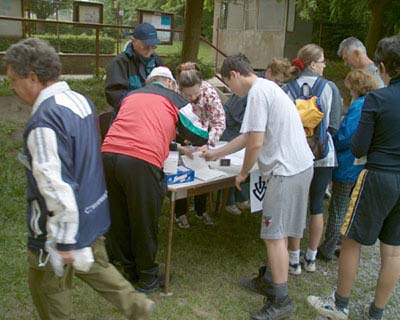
311	115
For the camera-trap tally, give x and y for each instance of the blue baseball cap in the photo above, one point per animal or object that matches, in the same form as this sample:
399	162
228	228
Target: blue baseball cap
147	33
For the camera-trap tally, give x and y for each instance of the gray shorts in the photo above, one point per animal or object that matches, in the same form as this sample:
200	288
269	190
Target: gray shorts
285	206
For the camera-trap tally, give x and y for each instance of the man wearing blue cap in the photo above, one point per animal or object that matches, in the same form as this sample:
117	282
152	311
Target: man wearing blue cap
128	70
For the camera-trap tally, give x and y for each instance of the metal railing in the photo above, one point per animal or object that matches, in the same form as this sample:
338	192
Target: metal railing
97	27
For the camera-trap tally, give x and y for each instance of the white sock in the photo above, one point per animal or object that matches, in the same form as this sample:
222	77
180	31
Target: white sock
311	254
294	257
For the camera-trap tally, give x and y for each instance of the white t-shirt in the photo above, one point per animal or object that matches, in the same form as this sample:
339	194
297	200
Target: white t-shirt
285	150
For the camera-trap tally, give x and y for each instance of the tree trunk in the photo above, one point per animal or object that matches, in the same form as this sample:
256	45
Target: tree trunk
375	30
192	29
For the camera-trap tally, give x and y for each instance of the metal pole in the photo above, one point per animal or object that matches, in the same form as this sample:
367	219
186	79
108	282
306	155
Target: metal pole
217	42
118	29
97	52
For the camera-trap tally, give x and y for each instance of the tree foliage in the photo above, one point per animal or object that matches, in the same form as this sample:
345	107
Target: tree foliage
380	16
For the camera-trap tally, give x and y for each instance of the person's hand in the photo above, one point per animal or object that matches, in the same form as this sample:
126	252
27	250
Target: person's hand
239	180
68	256
209	155
202	148
187	151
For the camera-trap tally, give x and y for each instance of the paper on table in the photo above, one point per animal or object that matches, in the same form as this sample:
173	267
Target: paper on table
200	167
236	157
171	163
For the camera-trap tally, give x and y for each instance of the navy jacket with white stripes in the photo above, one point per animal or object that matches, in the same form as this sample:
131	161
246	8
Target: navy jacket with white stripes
66	190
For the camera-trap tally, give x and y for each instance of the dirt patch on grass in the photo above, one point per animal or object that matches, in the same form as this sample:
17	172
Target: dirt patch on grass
14	109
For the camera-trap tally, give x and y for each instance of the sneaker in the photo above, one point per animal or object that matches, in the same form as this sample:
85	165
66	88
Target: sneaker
309	265
182	222
206	219
326	306
366	313
274	310
233	209
245	205
258	284
295	269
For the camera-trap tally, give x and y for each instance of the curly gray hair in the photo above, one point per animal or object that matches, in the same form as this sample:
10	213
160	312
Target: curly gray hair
34	55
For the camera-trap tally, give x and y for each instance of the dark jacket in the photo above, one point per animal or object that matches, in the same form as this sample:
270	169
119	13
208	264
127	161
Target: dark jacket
126	72
234	108
66	189
378	132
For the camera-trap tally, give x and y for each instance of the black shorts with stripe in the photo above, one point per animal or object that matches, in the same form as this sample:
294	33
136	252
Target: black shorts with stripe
374	209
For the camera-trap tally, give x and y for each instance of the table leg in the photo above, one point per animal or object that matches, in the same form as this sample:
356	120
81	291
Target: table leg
169	244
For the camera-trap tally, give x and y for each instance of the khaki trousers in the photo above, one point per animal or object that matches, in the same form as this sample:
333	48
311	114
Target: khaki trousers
52	294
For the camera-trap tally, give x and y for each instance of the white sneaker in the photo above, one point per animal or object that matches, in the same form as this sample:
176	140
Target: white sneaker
325	306
245	205
182	222
233	209
295	269
207	219
309	265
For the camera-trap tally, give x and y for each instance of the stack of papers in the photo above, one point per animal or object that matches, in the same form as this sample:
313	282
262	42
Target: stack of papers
201	168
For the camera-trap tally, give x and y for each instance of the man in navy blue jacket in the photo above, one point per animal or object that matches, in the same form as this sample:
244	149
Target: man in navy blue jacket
374	209
67	210
128	70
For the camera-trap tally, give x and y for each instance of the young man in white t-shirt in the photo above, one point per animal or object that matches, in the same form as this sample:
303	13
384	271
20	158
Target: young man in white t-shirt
273	134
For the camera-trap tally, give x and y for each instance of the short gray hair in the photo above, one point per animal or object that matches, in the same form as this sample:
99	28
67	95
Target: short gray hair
351	44
34	55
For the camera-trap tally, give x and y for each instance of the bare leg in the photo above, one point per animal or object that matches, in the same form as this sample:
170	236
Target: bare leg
388	275
348	264
294	244
316	230
278	259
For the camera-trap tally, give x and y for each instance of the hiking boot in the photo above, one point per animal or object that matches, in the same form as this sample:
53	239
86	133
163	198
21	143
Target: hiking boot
233	209
275	310
182	222
309	265
295	269
245	205
206	219
326	306
258	284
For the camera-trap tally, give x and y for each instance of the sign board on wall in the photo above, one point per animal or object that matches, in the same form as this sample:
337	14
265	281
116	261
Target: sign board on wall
8	28
88	12
160	20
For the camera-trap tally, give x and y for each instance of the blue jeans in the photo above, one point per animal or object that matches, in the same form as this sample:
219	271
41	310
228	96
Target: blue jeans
235	195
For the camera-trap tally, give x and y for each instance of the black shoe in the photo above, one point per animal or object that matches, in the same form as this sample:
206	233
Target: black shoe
149	285
149	280
275	310
323	257
258	284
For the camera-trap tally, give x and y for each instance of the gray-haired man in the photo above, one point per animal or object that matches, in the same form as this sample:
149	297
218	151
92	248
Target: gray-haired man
354	55
67	198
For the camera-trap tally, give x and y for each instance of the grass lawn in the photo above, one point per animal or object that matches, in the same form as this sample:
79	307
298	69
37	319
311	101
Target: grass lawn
207	262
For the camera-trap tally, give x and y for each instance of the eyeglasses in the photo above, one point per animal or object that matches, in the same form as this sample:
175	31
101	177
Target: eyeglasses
323	61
